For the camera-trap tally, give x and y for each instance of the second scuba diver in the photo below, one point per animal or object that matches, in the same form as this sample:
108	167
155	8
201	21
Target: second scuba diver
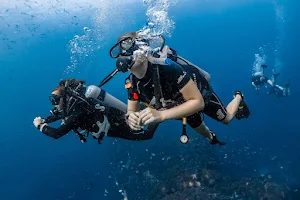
259	79
85	109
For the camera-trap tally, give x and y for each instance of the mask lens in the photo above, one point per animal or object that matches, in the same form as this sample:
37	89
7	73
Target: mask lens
121	48
54	99
126	44
114	51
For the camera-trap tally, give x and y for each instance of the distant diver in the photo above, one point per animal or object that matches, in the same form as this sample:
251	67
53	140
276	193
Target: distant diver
259	79
280	91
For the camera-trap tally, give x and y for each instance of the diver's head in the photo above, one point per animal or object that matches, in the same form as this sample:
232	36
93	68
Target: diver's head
129	35
59	95
127	44
56	97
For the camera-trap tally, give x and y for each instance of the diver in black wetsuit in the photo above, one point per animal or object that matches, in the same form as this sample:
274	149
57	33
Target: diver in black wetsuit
280	91
90	109
259	79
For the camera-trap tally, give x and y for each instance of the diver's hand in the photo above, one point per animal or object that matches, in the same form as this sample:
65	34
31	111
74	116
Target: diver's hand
133	121
37	122
164	52
150	115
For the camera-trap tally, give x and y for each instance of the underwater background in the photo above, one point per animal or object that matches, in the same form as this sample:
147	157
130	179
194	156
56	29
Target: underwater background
43	41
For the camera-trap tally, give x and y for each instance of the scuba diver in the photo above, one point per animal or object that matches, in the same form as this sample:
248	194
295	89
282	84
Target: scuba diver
170	86
259	78
280	91
85	109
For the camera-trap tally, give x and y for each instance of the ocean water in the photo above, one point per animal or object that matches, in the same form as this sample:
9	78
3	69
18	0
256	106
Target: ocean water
43	41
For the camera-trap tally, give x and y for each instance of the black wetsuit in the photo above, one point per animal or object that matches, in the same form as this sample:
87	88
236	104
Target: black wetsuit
277	91
81	118
172	79
259	80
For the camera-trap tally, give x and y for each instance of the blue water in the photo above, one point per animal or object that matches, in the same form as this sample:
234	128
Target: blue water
221	37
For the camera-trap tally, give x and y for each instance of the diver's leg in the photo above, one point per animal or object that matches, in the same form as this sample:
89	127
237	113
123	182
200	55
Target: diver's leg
274	76
232	108
288	91
270	82
236	108
196	122
204	131
287	88
256	88
216	110
263	68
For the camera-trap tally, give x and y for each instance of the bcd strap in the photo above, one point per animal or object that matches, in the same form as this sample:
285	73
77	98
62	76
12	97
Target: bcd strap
159	100
81	137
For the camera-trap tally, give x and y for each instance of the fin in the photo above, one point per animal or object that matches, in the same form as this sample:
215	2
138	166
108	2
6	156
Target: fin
243	110
288	84
276	75
240	93
264	66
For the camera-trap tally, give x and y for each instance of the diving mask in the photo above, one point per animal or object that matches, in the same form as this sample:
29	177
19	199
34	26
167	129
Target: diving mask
127	46
54	99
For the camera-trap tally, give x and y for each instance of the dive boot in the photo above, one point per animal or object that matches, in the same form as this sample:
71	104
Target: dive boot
243	110
215	140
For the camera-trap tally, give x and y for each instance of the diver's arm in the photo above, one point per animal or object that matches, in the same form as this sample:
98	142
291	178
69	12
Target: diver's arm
132	116
133	106
60	131
181	79
55	115
52	118
194	103
256	88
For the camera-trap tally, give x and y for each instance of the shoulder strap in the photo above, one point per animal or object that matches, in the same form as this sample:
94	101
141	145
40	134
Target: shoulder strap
159	99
